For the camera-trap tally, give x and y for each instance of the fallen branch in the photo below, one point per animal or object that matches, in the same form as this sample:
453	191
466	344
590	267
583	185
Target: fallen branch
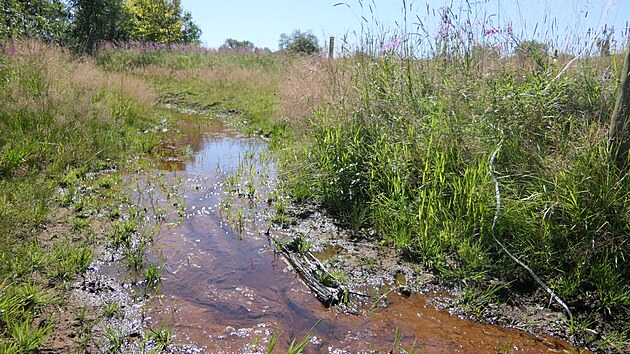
312	271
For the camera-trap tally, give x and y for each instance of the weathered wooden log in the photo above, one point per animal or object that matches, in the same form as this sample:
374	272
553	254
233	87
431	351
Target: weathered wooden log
323	284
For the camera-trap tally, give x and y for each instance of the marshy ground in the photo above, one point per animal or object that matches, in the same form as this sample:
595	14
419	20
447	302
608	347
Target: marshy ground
133	226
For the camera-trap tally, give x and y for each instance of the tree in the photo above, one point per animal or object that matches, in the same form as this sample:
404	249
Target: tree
191	32
161	21
299	42
98	20
46	20
231	43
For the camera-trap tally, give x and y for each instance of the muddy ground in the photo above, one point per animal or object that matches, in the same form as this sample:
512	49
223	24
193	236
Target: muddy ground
104	309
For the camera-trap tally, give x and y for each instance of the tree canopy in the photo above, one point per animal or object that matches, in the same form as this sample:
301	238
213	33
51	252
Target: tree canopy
83	23
97	21
232	43
299	42
42	19
158	21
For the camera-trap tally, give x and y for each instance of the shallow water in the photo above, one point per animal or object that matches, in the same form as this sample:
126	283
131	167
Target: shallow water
225	289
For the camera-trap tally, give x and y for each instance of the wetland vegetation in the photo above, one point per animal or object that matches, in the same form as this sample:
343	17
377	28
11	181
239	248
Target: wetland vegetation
462	159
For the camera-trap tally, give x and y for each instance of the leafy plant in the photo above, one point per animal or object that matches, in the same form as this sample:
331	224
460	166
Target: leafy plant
115	340
111	309
298	347
162	337
152	276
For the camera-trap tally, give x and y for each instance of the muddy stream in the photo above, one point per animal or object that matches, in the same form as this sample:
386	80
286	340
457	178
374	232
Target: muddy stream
225	289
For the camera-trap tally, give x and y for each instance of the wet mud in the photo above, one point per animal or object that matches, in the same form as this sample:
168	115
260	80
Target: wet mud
225	289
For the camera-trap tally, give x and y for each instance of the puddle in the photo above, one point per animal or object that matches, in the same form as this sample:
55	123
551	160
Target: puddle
225	289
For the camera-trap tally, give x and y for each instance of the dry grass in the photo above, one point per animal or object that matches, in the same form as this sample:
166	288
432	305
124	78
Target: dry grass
313	83
66	82
221	80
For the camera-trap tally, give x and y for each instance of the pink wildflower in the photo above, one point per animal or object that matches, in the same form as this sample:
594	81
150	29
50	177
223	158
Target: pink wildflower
390	46
491	32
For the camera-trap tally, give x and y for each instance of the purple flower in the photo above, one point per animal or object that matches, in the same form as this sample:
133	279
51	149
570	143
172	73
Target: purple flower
395	42
11	51
491	32
390	46
508	29
443	30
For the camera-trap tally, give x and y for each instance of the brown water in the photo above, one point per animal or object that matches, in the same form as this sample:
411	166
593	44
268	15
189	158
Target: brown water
226	290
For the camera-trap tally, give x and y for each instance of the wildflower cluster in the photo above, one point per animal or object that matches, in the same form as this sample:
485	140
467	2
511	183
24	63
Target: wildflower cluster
390	47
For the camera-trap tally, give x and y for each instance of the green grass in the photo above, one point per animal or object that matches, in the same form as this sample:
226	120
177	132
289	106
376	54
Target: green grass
152	277
408	156
245	85
161	338
400	146
111	309
415	167
67	261
61	119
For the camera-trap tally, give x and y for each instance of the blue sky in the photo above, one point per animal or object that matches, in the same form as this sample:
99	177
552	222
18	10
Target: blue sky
262	21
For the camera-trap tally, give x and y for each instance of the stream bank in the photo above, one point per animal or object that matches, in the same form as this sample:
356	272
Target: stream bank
225	288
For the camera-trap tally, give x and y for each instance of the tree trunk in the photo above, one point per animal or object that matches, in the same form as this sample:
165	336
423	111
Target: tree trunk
620	120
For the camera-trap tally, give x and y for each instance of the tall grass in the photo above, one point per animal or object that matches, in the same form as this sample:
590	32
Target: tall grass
60	118
407	155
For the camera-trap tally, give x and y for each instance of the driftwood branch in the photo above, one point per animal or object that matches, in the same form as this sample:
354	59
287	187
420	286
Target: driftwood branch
323	284
493	173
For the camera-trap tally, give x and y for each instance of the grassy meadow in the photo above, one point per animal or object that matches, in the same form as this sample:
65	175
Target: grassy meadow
452	160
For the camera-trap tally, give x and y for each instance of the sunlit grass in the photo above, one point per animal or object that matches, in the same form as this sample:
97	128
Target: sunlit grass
403	152
62	119
395	141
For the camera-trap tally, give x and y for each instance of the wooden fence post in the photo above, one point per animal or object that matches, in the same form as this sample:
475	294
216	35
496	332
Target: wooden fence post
331	47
